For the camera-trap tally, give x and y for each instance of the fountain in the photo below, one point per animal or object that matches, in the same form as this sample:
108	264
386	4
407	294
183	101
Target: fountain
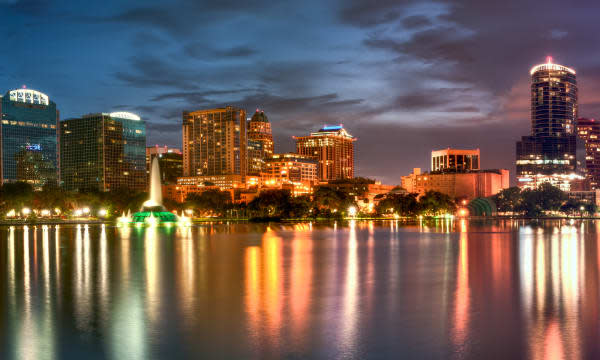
153	212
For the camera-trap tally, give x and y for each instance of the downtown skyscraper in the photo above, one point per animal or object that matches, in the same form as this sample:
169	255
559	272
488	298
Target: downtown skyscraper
214	142
103	152
260	142
333	149
28	138
549	154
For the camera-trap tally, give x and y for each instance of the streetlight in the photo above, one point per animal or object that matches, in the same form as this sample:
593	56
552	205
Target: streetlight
352	211
102	212
26	211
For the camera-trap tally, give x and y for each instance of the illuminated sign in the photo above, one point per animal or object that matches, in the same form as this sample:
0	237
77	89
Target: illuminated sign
34	147
29	96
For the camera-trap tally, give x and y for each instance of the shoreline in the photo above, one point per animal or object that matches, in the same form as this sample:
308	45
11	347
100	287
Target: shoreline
292	220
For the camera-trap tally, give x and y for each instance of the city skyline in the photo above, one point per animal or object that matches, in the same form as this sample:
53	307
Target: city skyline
423	71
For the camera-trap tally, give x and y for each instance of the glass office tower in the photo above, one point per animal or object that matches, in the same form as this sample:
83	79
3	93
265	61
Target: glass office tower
28	138
104	152
549	154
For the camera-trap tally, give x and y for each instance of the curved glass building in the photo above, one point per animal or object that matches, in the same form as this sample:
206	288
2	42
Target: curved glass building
553	100
549	154
28	138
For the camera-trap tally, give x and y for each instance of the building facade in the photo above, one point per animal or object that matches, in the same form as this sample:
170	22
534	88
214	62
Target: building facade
289	168
455	160
104	152
588	131
29	135
465	185
170	162
260	142
333	148
214	142
549	154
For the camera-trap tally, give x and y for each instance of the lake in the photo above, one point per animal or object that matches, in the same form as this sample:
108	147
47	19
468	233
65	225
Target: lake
348	290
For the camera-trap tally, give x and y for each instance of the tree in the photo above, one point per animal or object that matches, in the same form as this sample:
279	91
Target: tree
210	202
272	203
508	200
332	199
436	203
15	196
401	204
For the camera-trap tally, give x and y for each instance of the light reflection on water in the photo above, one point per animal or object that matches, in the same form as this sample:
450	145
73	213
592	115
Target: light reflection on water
450	289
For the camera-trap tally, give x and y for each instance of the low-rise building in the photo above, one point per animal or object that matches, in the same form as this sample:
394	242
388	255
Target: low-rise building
459	185
457	160
590	197
289	168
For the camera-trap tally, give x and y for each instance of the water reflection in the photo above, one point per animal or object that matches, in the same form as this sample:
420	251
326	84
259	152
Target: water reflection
430	289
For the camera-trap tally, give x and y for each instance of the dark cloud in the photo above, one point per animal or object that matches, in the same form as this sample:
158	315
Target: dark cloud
203	51
416	21
151	72
30	7
183	17
365	13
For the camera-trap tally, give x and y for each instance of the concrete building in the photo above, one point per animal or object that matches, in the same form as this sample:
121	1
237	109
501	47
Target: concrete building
289	168
214	142
588	131
104	152
260	142
465	185
448	160
333	148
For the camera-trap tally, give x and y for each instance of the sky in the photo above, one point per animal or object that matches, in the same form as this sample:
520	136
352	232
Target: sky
404	77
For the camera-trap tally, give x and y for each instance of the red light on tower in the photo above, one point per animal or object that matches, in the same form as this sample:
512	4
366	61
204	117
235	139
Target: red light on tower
24	86
549	59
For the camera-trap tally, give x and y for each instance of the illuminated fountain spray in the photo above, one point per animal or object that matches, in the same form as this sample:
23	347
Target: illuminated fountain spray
155	186
153	212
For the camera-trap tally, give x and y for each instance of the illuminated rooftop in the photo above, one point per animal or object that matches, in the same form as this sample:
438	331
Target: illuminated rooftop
125	115
550	66
29	96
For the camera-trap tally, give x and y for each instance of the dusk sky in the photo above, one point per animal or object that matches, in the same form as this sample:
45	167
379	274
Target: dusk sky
404	77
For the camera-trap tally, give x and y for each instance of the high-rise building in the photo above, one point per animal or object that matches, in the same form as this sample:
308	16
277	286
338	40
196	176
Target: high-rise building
588	130
455	160
333	148
214	142
28	138
549	154
170	162
260	142
104	152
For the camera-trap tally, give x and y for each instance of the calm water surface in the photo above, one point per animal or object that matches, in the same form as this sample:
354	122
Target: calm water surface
364	290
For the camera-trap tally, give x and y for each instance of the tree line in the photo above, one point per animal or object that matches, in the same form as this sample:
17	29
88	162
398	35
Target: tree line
545	200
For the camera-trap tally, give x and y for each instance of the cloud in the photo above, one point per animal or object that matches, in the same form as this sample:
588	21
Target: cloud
416	21
152	72
203	51
181	17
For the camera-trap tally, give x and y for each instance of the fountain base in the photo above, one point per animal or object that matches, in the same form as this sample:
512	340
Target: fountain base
161	216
